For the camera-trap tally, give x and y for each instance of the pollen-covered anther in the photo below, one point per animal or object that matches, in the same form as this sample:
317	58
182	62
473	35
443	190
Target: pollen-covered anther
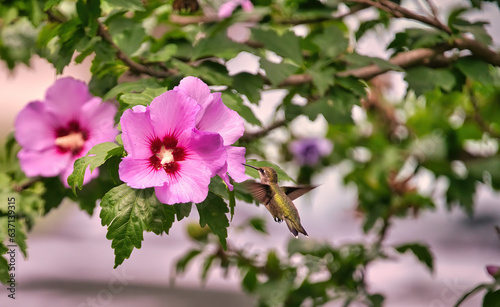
74	141
165	155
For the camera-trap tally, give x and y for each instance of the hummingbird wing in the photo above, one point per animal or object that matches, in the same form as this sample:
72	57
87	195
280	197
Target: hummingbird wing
296	192
261	192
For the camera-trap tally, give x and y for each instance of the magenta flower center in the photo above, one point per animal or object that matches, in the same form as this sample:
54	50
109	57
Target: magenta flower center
166	154
71	138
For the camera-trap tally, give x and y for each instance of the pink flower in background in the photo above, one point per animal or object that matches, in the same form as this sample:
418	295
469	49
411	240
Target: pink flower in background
167	152
308	151
493	270
55	132
227	8
215	116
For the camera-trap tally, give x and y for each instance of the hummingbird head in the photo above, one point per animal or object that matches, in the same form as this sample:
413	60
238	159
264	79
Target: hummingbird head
267	174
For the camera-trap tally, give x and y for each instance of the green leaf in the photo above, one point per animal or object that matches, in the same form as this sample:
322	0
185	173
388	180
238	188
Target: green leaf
164	54
182	210
232	202
218	187
276	73
21	238
356	60
332	42
235	102
424	79
323	78
421	251
377	300
258	224
336	107
129	5
248	85
211	72
249	282
282	175
50	3
475	28
96	156
218	45
461	192
54	193
286	45
47	33
128	213
70	34
128	87
4	265
127	34
213	213
207	264
353	85
143	98
492	299
475	69
183	262
365	26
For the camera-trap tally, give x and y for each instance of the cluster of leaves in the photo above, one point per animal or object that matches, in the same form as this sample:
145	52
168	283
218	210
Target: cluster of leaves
310	270
447	123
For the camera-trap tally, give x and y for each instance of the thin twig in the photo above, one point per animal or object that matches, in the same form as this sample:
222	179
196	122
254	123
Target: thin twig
133	65
399	11
478	49
433	8
250	136
426	56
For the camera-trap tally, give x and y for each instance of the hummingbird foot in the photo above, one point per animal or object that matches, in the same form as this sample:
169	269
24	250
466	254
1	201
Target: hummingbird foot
278	220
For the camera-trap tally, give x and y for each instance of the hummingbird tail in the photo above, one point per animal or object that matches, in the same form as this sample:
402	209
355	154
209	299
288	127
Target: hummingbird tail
295	230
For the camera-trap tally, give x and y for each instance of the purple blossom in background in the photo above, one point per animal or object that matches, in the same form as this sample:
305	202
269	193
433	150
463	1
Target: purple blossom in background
53	133
215	116
308	151
493	270
167	152
228	8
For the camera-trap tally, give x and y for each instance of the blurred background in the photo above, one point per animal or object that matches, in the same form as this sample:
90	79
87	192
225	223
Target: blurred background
70	261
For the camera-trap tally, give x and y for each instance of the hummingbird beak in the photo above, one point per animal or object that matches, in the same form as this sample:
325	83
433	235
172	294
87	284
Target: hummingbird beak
251	166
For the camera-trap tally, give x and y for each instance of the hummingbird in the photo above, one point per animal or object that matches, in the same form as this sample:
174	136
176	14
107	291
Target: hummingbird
278	200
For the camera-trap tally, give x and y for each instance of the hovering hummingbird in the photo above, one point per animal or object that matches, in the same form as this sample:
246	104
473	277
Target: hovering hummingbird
276	199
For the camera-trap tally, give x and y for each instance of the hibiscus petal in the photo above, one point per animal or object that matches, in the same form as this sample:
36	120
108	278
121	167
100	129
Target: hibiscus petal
98	118
205	148
172	113
137	132
195	89
34	128
246	5
227	9
191	185
223	174
235	160
66	97
48	163
137	173
219	118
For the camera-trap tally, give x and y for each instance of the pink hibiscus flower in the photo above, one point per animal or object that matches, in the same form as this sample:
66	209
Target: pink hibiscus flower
227	8
215	116
55	132
167	152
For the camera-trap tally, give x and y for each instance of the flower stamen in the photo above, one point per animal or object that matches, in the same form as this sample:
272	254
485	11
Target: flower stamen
166	154
73	142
